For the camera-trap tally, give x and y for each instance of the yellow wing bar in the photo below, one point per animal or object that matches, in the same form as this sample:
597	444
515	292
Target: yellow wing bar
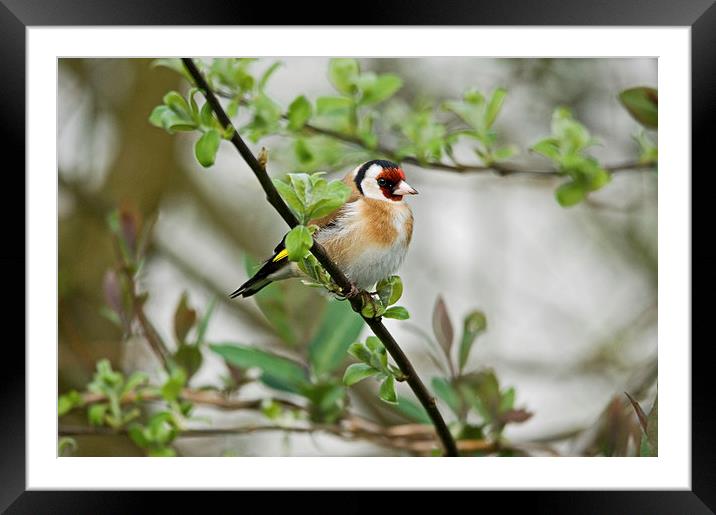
281	255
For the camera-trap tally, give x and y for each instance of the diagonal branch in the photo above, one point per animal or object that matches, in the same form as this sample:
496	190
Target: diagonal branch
412	378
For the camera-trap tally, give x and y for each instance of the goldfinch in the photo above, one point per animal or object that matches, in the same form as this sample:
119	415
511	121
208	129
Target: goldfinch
367	237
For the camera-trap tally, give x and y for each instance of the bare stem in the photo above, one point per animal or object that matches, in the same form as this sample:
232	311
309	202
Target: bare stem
421	392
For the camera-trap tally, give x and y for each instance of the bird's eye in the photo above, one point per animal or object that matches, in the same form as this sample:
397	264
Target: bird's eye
383	183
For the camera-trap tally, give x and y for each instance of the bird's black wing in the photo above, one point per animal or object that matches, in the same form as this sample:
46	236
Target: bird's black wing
261	278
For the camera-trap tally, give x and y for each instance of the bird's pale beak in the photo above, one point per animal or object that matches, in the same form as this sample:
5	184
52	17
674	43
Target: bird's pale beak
403	188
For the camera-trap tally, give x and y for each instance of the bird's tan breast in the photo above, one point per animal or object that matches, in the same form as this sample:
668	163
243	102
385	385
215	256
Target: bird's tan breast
387	223
369	233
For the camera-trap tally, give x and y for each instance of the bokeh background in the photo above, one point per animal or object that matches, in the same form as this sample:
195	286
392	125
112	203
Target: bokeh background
570	294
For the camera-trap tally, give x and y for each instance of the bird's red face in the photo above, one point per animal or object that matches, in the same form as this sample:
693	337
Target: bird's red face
391	182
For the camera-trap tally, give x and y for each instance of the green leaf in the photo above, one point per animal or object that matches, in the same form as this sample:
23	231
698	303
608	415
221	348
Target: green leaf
326	206
475	323
303	151
96	413
572	135
289	196
387	391
549	148
173	386
442	326
360	352
372	352
470	113
66	446
161	452
503	153
413	410
280	372
302	185
178	104
379	356
189	358
508	400
206	115
329	106
643	104
204	322
473	96
369	138
266	117
327	401
299	112
233	73
357	372
332	196
267	75
343	74
379	89
161	428
184	318
570	194
298	242
372	308
192	102
494	106
175	64
373	343
447	393
426	136
136	433
232	108
597	178
68	401
482	390
397	312
390	290
206	147
164	117
339	328
135	380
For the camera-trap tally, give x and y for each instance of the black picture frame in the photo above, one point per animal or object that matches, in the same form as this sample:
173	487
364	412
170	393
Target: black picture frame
17	15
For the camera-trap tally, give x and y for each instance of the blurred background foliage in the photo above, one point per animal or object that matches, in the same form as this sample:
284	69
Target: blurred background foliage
569	293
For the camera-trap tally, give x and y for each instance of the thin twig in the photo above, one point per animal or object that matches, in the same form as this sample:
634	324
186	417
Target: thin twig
413	380
206	397
413	437
150	333
393	437
500	169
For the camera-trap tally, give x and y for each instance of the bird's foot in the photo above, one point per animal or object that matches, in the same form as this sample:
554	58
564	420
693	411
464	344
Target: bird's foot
366	298
352	293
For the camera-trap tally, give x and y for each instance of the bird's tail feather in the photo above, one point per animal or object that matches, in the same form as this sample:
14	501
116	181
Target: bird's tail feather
251	287
270	271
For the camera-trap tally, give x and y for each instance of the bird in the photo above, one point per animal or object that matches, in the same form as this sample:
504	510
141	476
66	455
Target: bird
367	237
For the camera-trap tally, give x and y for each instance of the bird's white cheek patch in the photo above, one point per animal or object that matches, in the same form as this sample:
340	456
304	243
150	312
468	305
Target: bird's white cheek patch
372	190
369	185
